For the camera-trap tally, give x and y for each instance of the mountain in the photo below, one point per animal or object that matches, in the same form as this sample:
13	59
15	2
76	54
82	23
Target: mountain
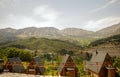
9	30
106	39
75	32
47	32
51	32
65	34
7	35
109	31
38	32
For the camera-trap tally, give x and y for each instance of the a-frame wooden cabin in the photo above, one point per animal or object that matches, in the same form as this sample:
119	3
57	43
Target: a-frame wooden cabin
1	65
14	65
36	66
67	67
100	65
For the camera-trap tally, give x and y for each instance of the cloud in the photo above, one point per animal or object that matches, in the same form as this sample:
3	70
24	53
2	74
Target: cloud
109	2
46	12
8	2
95	25
41	16
22	21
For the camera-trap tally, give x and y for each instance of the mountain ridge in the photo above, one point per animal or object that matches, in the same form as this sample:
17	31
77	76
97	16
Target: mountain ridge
52	32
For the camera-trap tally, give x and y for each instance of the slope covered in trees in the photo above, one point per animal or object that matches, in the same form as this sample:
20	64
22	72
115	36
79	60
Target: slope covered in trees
113	39
43	45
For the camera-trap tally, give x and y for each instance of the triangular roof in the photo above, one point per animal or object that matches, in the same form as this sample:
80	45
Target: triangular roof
96	62
15	59
64	60
36	59
40	64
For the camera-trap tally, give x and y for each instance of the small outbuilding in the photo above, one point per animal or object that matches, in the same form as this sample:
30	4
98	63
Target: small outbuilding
100	65
36	66
67	67
14	65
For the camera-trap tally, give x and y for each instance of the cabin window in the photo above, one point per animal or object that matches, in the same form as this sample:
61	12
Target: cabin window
31	70
70	69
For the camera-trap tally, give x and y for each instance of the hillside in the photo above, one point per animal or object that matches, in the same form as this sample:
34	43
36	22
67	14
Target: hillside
110	44
51	32
47	32
76	32
7	37
112	39
73	35
43	45
109	31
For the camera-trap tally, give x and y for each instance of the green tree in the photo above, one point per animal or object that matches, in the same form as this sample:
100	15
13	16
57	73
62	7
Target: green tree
116	63
25	55
15	52
47	57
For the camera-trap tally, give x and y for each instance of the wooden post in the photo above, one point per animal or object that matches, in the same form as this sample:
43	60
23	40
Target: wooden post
97	66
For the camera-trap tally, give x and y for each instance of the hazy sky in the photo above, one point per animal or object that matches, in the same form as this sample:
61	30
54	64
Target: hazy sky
86	14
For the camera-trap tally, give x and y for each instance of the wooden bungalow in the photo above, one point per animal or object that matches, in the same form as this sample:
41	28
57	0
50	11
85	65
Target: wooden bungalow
67	67
1	65
14	65
100	65
36	66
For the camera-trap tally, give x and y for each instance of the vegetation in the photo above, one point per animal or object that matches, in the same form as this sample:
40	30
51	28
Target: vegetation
52	50
115	39
43	45
15	52
116	63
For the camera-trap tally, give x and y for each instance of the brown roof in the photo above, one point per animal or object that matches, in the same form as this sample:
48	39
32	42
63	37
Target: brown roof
96	62
39	64
63	63
14	60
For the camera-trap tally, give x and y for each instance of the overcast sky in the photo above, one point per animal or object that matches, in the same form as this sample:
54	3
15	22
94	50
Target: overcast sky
85	14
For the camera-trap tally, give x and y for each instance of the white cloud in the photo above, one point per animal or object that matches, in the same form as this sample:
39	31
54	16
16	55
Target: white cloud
8	2
95	25
43	16
109	2
21	21
46	12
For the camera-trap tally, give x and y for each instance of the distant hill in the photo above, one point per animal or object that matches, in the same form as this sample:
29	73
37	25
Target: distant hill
109	31
73	35
43	45
112	39
49	39
76	32
110	44
48	32
7	35
51	32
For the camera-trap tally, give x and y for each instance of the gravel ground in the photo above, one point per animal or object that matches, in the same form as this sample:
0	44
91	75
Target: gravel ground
23	75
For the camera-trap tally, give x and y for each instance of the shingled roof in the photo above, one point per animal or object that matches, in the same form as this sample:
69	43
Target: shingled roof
14	60
39	63
96	62
65	58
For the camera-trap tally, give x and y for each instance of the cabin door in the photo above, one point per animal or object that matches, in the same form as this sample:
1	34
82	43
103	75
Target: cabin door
70	72
111	73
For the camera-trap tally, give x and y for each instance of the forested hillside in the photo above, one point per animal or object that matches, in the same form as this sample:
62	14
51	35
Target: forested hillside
110	45
43	45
